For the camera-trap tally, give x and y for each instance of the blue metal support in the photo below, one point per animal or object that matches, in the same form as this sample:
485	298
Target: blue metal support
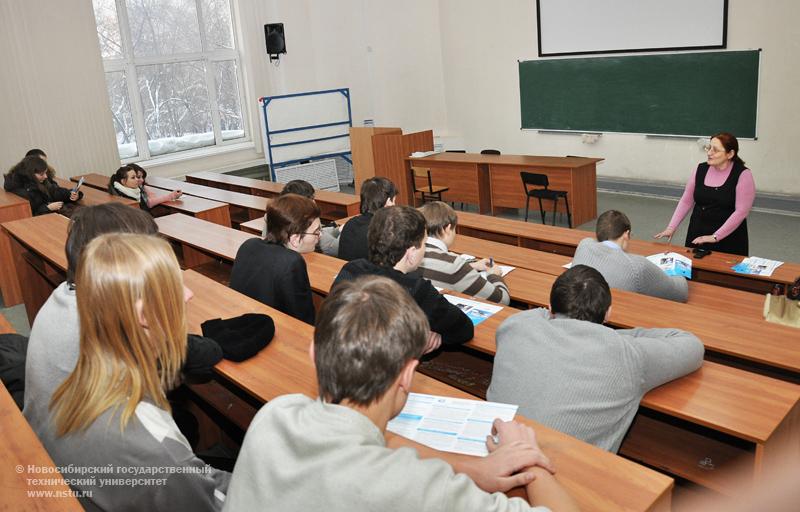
265	101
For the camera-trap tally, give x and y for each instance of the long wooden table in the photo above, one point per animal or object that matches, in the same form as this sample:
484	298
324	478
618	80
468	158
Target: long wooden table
714	268
12	207
493	181
93	196
333	205
597	479
28	473
206	209
711	398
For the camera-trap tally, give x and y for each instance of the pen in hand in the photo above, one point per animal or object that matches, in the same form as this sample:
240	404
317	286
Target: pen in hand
491	262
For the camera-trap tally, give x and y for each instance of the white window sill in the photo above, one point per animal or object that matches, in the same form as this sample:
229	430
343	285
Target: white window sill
194	154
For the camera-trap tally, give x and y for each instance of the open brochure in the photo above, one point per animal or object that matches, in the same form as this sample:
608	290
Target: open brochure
757	266
673	264
476	311
504	269
453	425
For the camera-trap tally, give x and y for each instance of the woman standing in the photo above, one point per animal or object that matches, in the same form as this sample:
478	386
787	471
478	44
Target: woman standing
720	194
112	411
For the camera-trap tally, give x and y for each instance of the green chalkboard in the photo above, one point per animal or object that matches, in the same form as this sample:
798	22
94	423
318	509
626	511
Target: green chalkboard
672	94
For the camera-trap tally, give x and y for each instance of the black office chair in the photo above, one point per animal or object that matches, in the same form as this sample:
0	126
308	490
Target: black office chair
430	192
540	190
490	152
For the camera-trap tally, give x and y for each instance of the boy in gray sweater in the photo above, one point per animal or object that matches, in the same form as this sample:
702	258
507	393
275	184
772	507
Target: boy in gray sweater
621	269
567	370
330	453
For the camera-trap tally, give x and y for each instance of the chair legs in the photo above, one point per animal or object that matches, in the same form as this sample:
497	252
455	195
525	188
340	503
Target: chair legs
527	205
541	209
569	215
555	209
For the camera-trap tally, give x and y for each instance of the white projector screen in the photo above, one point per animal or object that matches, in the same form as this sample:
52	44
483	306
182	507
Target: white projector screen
568	27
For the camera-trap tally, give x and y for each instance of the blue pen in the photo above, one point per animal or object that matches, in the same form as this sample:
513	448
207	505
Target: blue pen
491	262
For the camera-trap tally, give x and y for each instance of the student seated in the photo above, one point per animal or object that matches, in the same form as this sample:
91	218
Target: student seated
330	453
448	270
54	343
273	270
376	193
10	178
33	179
608	254
112	411
567	370
396	248
129	181
329	235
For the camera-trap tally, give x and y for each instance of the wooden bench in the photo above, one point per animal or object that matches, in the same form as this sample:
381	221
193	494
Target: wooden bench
714	268
206	209
597	479
333	205
25	460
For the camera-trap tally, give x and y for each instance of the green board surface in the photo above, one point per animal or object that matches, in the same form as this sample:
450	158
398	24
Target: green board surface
670	94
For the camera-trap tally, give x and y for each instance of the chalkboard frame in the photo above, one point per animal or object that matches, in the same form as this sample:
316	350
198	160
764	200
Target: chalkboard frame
632	50
545	102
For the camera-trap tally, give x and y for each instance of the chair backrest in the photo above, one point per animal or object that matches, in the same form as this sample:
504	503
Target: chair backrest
534	179
421	172
455	150
490	152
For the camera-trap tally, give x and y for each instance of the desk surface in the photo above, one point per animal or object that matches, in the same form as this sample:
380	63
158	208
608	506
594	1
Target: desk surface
597	479
93	196
566	162
224	196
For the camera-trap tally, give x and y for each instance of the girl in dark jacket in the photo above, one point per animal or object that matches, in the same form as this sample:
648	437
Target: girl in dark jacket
32	179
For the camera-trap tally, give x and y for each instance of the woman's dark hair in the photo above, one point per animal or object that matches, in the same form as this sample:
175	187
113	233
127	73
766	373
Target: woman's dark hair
92	221
299	187
581	293
36	152
288	215
118	176
392	231
374	193
26	172
730	143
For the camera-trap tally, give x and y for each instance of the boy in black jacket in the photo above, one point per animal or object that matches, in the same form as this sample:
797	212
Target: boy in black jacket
396	240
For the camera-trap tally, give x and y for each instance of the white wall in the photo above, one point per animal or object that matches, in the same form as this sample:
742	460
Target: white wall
482	41
52	92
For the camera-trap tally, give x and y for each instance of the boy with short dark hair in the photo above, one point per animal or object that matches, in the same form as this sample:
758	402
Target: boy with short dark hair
330	453
396	247
376	193
608	254
567	370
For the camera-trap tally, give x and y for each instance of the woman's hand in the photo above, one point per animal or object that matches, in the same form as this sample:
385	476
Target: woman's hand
175	194
705	239
667	233
73	196
55	206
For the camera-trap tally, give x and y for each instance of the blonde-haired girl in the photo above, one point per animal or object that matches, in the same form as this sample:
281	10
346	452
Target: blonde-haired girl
111	415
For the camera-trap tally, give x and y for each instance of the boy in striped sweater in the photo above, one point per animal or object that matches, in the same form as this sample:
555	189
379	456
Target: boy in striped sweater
448	270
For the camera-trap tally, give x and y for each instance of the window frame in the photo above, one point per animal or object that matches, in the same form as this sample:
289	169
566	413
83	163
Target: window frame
128	63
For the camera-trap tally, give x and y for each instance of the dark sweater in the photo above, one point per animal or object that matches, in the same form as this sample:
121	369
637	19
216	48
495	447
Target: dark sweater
444	318
353	240
38	199
275	276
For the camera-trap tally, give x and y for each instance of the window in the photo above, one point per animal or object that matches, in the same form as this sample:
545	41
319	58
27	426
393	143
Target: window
173	74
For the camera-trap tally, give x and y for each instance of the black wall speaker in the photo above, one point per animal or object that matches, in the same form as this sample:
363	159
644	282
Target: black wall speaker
276	43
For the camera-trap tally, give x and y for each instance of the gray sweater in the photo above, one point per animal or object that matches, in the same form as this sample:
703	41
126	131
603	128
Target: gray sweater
630	271
583	378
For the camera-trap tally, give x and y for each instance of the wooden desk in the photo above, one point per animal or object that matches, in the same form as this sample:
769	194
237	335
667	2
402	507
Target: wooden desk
493	181
93	196
12	207
333	205
22	449
201	242
714	269
244	206
206	209
597	479
749	305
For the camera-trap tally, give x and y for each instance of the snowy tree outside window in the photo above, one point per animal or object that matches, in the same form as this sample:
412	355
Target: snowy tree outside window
172	73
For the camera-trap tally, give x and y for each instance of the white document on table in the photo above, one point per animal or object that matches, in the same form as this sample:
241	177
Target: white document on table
452	425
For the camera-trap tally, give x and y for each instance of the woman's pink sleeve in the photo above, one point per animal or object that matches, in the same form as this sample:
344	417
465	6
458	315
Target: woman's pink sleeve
745	194
685	204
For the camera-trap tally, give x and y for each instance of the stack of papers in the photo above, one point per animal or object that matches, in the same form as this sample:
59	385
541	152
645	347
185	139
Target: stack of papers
421	154
476	311
449	424
757	266
673	264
